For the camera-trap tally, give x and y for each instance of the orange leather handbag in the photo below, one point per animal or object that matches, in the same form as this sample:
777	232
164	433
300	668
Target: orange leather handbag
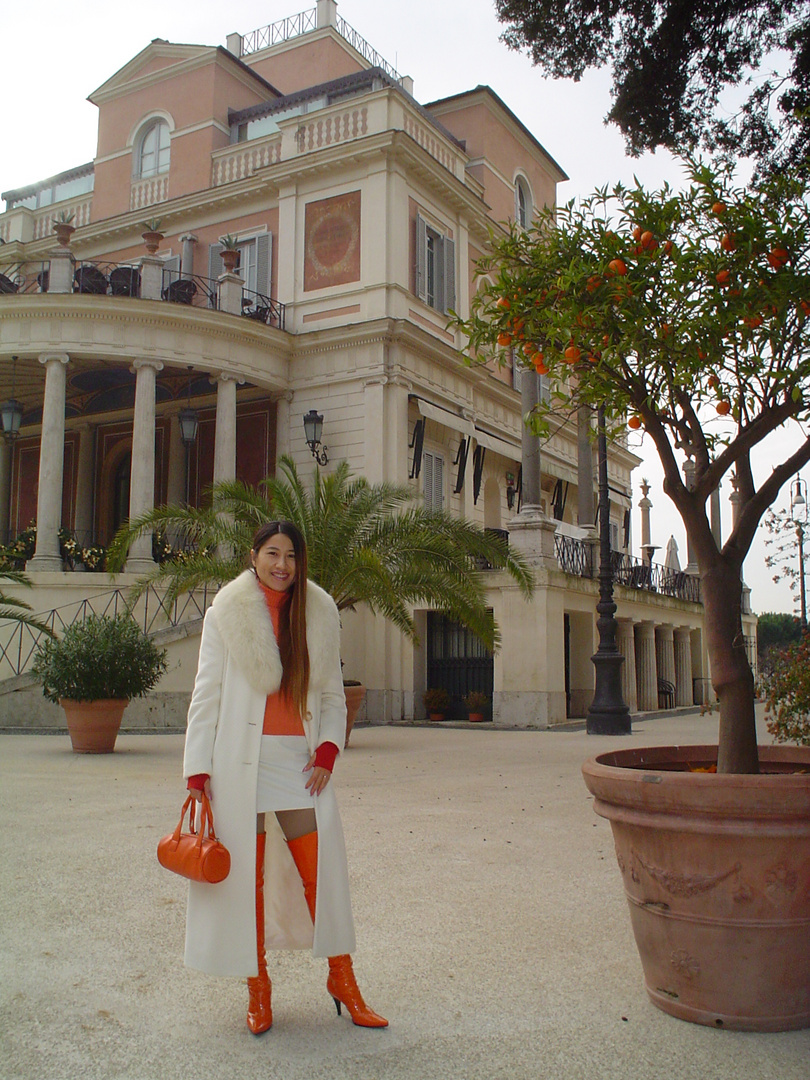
194	855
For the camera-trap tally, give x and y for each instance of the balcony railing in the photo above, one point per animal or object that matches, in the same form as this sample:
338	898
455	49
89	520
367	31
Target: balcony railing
280	31
574	557
263	309
19	643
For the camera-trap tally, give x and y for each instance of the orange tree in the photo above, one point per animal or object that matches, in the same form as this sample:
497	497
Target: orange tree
686	311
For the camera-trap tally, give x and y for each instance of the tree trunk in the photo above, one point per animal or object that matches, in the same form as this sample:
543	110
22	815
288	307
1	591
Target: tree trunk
732	678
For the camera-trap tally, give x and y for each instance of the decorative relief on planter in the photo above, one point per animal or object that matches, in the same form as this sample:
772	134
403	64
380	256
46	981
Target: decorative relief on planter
780	882
685	885
684	964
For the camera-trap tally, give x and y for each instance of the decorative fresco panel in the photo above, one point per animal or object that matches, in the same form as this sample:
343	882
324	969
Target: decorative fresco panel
332	241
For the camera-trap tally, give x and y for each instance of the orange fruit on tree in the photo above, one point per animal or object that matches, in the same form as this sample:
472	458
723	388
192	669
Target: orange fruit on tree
719	208
777	257
517	325
723	277
634	422
637	233
728	243
504	339
539	365
503	303
667	247
723	407
618	267
594	281
713	382
647	240
805	306
572	354
529	349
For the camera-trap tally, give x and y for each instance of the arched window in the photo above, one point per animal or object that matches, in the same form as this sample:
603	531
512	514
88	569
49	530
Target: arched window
154	150
523	203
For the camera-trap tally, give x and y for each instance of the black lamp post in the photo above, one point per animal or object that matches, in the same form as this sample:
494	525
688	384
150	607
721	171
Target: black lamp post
798	509
11	411
313	429
189	422
608	714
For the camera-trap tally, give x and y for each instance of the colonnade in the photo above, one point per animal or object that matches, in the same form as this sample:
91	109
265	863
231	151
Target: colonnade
142	476
652	653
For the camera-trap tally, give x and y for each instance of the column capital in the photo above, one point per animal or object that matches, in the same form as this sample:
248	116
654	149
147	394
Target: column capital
226	376
146	363
46	358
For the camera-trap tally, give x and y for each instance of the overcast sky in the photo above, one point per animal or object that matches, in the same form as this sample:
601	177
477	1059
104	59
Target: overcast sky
56	54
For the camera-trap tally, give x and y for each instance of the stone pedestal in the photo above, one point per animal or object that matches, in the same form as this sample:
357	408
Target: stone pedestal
60	275
532	534
230	293
151	277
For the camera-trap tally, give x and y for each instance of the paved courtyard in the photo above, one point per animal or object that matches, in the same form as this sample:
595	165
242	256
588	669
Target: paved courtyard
491	925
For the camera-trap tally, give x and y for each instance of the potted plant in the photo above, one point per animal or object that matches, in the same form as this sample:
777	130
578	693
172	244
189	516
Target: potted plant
437	702
230	252
151	234
476	703
93	671
63	228
355	692
688	311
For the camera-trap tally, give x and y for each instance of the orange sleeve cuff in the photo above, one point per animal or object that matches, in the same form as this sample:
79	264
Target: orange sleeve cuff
197	782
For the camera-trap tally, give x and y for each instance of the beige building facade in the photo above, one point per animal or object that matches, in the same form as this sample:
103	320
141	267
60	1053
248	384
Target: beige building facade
359	215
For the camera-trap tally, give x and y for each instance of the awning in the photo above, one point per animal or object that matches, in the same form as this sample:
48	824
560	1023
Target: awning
510	451
447	418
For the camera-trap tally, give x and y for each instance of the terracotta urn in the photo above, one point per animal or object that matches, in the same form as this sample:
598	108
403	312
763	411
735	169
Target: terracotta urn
716	871
152	240
63	231
229	260
93	725
355	692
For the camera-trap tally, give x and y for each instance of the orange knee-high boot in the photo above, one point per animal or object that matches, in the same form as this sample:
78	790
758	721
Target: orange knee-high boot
260	1013
341	982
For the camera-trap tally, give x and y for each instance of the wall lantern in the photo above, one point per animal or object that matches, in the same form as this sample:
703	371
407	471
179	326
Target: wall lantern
188	419
11	411
313	428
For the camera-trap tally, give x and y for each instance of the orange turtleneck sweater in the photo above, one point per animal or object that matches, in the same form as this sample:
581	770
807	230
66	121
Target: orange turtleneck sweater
280	715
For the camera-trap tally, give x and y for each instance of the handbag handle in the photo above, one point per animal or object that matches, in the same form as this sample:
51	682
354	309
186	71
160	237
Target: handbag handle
206	819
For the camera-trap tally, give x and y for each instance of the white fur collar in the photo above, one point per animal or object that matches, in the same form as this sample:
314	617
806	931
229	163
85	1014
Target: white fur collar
247	629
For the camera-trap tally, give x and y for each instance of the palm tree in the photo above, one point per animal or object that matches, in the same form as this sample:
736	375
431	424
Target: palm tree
366	543
12	608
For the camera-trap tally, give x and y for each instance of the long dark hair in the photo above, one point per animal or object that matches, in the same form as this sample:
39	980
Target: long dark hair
292	623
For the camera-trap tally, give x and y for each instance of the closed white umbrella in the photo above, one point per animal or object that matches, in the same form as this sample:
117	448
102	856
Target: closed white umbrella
671	560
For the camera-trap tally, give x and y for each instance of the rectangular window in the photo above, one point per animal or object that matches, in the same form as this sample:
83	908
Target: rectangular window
433	480
435	267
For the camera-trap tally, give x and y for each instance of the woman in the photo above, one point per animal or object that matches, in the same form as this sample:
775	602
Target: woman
267	720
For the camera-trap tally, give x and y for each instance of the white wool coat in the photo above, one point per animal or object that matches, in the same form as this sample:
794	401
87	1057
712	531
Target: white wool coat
239	666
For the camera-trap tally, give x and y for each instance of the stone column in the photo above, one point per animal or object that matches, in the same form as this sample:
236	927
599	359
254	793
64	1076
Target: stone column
689	481
665	653
684	694
51	465
646	670
714	511
585	506
225	436
187	256
178	455
6	451
627	647
283	424
85	486
142	476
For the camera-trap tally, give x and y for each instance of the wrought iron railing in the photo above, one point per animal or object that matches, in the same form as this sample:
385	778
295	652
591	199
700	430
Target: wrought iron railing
19	642
279	31
263	309
574	556
190	289
14	279
362	46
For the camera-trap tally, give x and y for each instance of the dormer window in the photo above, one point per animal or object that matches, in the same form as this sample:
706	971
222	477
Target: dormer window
154	150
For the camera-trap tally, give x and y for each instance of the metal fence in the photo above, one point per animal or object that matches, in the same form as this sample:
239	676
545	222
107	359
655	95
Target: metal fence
151	611
279	31
575	557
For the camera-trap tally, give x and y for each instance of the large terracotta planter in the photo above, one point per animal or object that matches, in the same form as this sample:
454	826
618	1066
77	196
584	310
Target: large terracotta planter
93	725
716	871
354	699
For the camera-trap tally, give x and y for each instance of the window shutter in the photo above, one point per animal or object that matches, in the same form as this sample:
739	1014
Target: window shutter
517	202
438	482
427	483
421	258
264	254
215	267
449	279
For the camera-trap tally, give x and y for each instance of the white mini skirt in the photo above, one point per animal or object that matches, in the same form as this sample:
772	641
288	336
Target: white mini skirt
281	779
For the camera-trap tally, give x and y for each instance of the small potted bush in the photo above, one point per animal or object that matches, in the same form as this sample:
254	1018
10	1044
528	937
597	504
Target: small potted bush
230	252
63	227
151	234
476	703
437	702
93	671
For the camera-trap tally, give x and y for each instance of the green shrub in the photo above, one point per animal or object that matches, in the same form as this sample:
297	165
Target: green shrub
476	701
102	657
786	689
